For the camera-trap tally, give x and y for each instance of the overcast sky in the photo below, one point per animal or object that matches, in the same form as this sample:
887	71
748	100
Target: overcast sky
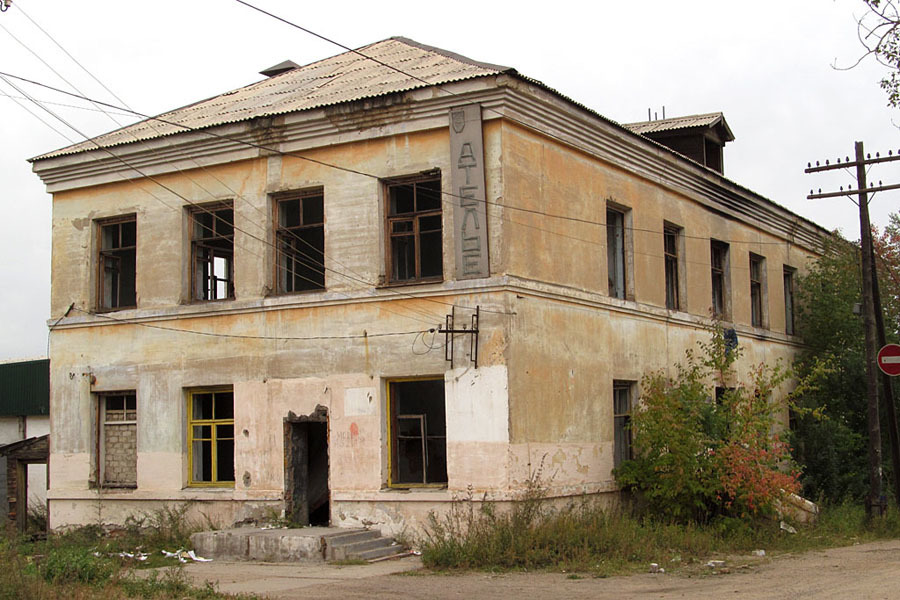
768	65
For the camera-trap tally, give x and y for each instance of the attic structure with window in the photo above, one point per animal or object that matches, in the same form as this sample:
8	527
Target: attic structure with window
357	288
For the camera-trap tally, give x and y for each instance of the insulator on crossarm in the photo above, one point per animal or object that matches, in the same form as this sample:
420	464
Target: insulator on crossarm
808	165
846	159
877	155
817	163
826	163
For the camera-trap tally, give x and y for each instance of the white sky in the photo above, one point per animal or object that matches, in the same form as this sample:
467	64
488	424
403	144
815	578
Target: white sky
767	65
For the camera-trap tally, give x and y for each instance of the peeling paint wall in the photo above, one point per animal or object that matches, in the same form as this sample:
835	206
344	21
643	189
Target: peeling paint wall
551	341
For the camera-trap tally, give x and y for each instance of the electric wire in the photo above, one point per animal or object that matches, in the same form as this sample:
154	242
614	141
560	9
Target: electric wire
376	177
252	337
173	192
441	88
143	143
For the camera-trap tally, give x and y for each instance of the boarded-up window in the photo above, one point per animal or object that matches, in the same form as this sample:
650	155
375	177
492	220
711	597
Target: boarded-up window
117	460
418	432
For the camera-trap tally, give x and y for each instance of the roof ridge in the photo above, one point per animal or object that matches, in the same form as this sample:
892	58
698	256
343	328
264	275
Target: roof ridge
452	55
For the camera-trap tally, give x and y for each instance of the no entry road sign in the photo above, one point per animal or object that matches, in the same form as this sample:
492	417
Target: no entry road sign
889	359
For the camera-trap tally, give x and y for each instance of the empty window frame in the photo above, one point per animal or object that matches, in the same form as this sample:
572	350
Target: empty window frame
615	252
757	290
622	405
674	257
116	450
414	225
418	433
212	250
788	276
720	279
210	436
116	265
300	242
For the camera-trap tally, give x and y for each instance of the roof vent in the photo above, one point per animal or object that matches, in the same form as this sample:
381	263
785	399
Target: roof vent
280	68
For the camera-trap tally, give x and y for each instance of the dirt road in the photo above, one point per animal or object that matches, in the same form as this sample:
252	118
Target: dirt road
862	572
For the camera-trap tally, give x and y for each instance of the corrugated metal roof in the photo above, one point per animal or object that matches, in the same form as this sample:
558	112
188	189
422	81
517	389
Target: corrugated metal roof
25	388
686	122
342	78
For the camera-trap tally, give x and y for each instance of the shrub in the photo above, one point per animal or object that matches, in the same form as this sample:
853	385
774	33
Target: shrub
696	457
68	564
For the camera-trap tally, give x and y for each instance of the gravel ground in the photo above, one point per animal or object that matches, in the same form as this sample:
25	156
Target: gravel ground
865	571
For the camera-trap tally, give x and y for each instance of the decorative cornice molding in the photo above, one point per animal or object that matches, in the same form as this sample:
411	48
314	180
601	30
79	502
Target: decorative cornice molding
503	96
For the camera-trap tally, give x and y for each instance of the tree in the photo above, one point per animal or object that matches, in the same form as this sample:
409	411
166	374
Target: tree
699	455
879	33
829	431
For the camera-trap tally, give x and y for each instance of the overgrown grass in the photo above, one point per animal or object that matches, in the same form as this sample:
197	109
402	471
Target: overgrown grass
85	562
584	537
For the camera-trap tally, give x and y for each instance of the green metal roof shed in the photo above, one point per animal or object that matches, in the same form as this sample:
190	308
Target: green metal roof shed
25	388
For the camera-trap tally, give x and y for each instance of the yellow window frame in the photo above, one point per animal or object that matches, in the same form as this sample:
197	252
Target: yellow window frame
213	423
390	439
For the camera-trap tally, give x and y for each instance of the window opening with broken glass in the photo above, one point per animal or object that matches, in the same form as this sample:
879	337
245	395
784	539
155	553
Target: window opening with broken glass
415	229
615	252
718	268
300	239
212	243
118	244
622	421
418	432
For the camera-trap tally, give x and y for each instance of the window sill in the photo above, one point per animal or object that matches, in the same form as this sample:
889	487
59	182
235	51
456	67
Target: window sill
414	282
101	311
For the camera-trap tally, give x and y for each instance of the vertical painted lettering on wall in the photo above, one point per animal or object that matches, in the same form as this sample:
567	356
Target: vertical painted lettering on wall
467	178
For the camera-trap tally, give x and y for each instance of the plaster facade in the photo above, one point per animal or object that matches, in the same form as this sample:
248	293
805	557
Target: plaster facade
551	339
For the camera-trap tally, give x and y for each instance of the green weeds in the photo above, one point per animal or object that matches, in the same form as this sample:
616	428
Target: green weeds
583	537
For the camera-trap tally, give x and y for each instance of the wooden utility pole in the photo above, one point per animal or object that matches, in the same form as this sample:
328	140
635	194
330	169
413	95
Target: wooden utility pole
872	322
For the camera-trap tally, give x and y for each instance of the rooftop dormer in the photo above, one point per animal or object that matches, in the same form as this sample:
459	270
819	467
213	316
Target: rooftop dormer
698	137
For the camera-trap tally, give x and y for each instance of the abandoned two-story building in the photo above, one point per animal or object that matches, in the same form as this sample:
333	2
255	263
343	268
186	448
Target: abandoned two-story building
357	288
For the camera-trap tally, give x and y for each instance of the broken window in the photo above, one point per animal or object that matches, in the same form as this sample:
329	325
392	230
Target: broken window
720	282
789	299
622	405
117	439
757	290
211	437
418	432
671	248
415	229
615	252
300	242
212	247
116	278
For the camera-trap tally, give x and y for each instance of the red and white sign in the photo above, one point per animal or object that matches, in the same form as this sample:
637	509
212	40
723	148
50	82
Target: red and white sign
889	359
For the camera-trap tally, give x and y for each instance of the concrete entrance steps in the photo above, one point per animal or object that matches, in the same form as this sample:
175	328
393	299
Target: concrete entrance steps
308	544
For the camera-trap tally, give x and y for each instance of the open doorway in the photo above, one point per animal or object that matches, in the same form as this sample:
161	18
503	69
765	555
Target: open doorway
306	493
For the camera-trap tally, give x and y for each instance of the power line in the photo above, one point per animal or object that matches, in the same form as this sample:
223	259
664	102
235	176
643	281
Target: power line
173	192
376	177
254	337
